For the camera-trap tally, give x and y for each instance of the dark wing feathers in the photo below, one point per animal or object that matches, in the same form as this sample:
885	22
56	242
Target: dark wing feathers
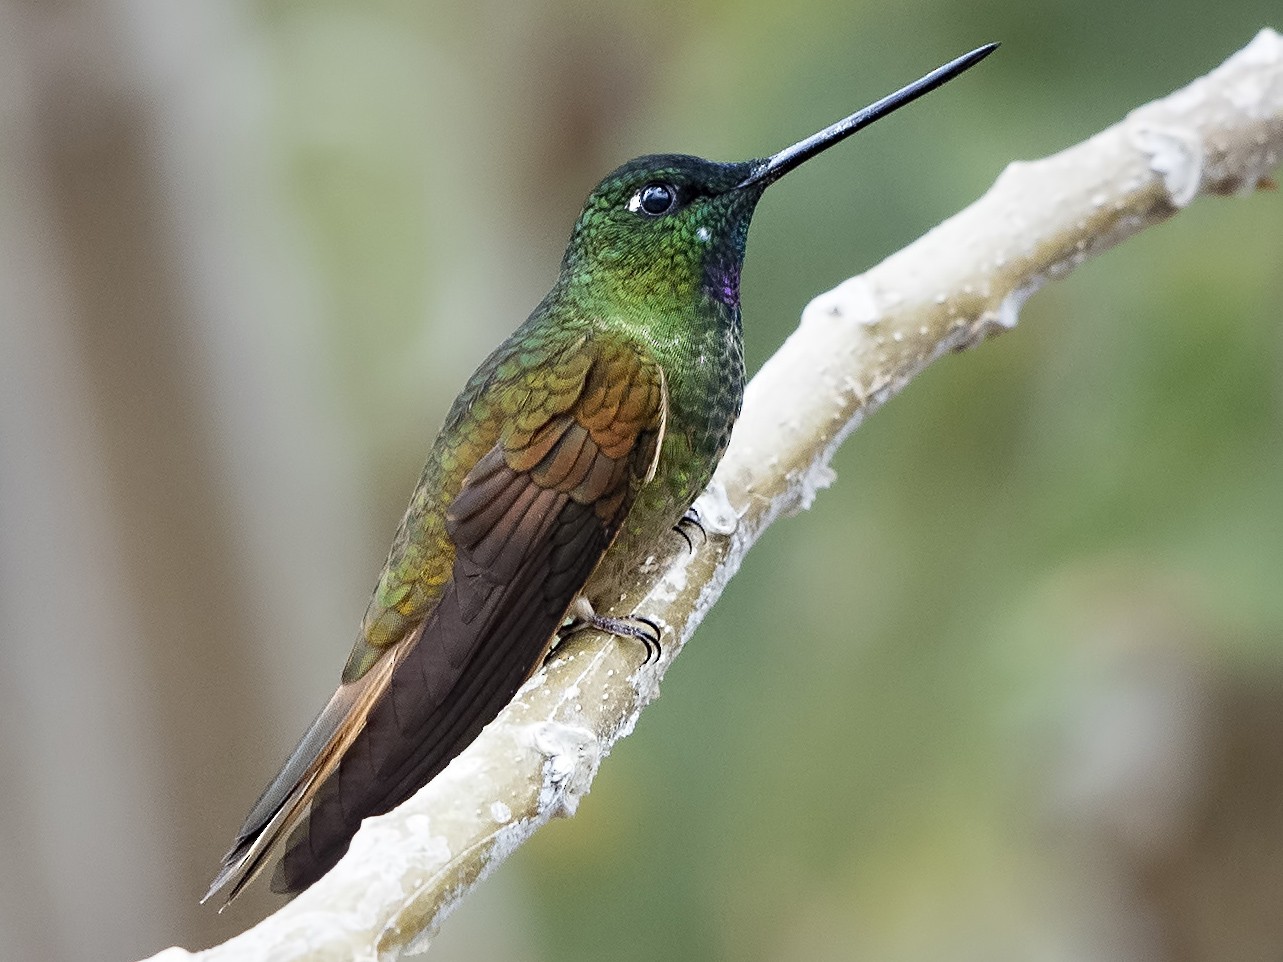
530	523
407	738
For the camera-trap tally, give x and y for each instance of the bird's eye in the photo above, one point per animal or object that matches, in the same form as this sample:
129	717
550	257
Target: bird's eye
654	200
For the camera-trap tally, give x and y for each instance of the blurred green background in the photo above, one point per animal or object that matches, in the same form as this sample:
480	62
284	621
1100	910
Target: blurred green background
1011	690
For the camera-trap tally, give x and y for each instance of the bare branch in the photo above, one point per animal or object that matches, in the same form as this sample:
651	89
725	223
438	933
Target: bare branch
856	346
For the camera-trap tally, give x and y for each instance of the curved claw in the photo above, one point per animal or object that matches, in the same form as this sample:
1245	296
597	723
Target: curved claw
651	640
690	545
690	520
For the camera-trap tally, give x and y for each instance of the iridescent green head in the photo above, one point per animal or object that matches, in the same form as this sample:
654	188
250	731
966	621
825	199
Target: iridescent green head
669	229
665	226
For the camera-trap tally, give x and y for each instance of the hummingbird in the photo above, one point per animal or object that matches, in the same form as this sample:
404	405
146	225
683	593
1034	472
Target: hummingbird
581	440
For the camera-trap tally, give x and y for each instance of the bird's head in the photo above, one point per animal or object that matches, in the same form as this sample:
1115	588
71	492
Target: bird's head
667	229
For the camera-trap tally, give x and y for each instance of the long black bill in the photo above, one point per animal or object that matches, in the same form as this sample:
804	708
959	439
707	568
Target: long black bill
776	166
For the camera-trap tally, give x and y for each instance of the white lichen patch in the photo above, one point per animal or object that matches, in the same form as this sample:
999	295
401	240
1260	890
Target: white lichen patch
1007	314
1176	155
671	585
500	812
852	300
534	682
571	754
413	834
420	825
716	513
819	477
645	682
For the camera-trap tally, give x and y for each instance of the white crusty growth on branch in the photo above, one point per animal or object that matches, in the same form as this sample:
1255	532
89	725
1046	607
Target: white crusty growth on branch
856	346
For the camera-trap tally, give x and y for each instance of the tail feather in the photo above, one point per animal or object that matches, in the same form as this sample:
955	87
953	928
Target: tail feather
289	795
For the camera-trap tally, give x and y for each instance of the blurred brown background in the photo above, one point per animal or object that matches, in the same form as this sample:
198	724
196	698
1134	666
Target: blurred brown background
1013	689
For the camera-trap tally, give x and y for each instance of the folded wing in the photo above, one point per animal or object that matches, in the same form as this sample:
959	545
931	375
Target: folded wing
531	521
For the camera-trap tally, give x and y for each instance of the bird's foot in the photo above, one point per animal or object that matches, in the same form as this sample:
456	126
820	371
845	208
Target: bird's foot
636	627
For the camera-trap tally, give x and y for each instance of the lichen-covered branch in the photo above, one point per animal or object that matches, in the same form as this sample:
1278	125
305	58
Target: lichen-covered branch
856	346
